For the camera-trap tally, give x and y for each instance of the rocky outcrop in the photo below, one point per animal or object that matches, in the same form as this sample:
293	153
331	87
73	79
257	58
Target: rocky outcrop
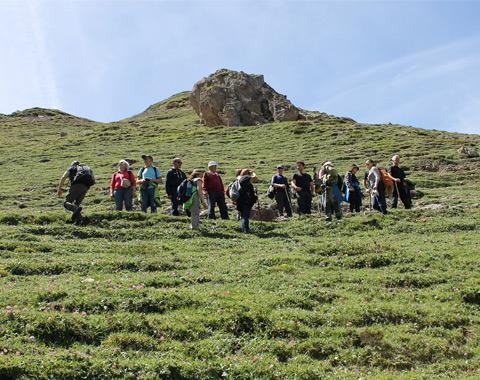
234	98
469	152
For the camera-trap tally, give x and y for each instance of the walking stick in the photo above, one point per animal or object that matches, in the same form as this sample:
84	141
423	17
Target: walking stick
259	210
398	193
288	199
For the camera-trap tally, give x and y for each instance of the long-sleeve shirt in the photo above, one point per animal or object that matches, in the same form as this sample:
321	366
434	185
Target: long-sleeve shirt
374	176
116	181
173	179
350	179
212	182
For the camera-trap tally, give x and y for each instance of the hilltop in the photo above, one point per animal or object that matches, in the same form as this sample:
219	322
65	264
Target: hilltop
51	139
135	296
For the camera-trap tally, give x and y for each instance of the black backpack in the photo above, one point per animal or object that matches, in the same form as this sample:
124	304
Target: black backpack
184	191
84	175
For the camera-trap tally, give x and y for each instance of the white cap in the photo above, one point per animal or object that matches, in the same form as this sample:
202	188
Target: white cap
328	163
212	163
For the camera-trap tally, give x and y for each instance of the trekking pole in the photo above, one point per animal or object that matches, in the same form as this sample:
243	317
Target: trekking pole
288	199
259	210
396	187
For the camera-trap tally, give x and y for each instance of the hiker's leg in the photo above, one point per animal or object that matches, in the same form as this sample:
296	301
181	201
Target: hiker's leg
405	196
328	203
75	196
174	206
281	199
127	197
222	205
357	200
308	203
118	196
352	202
246	210
144	199
394	198
211	205
288	206
195	213
300	202
151	200
338	210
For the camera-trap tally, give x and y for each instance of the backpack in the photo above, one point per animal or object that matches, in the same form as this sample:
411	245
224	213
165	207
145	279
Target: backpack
387	181
84	175
234	190
271	192
341	184
184	191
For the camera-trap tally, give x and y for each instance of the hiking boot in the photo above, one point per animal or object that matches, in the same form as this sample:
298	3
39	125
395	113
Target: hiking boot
76	212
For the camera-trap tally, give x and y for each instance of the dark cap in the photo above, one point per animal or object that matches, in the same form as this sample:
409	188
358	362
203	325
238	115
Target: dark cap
353	166
147	156
280	167
75	163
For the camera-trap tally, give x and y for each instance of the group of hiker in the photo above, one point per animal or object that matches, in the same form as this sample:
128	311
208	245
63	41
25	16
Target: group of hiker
190	193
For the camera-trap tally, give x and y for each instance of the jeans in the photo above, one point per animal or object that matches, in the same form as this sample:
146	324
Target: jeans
378	201
246	210
304	202
219	198
148	195
122	195
283	201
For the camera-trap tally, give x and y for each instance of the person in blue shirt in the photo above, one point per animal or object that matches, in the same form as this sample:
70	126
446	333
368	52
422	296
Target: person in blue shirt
282	193
149	177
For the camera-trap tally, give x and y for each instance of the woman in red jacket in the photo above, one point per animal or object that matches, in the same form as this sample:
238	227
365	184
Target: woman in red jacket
122	187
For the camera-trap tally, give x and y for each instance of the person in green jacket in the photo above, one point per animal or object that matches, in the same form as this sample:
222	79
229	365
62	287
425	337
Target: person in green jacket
197	199
328	179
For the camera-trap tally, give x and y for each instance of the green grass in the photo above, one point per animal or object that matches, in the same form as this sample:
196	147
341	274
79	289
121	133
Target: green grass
135	296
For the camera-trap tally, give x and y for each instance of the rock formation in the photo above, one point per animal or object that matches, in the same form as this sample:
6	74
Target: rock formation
234	98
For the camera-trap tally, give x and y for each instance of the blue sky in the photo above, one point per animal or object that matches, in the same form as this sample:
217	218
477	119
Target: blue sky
408	62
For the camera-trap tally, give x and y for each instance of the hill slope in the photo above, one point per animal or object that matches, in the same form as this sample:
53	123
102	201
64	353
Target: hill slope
135	296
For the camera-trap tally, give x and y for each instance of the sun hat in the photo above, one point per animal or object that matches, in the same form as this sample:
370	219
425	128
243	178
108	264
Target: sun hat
212	163
328	163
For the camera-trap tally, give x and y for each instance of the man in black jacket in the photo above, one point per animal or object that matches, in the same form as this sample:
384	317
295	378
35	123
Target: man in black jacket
400	189
173	179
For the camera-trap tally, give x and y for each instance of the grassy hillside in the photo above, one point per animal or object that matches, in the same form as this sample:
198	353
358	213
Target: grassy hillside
134	296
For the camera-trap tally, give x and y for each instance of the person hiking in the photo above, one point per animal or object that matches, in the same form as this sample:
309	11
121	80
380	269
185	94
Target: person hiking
149	177
282	193
401	188
122	186
247	198
302	183
213	188
376	187
174	177
353	194
81	179
196	200
331	193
